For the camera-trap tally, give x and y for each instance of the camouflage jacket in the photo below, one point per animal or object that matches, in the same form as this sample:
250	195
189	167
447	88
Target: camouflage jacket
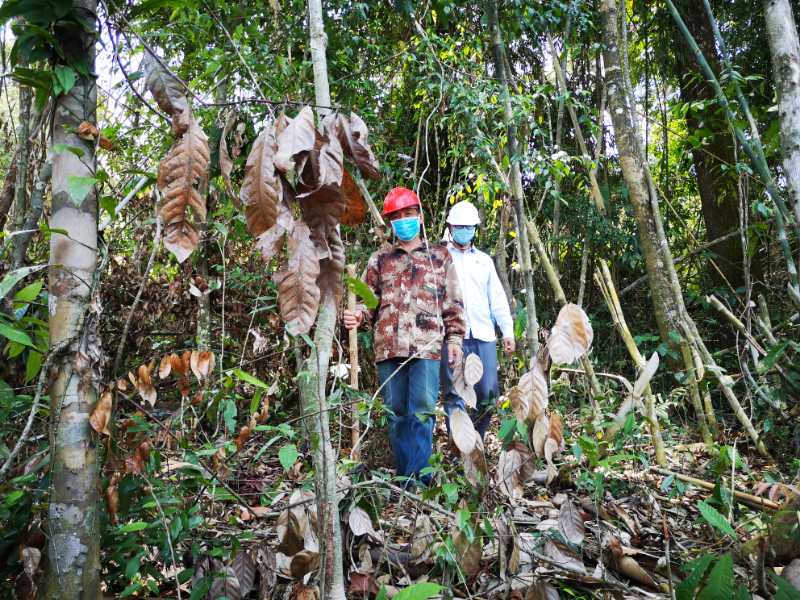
419	302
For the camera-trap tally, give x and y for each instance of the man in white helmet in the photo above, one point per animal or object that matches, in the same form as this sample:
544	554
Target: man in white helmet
485	306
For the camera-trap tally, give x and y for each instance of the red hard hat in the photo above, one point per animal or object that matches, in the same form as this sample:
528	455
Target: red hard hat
400	198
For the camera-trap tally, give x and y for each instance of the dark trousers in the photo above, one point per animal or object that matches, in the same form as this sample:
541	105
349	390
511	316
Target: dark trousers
486	389
410	393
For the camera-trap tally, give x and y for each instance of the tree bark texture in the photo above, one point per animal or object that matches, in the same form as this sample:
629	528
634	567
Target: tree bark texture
73	568
313	392
785	49
517	193
714	162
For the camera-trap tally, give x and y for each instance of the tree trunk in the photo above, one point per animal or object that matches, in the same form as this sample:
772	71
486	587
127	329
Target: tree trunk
313	393
517	194
785	49
665	289
716	179
73	568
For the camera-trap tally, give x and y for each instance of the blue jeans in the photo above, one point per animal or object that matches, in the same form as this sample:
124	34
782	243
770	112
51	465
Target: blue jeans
410	394
486	389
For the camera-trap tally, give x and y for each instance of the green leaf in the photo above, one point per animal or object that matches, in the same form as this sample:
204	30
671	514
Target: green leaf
716	520
696	569
785	590
29	293
32	365
78	186
63	79
135	526
247	378
6	394
419	591
773	356
15	335
719	585
363	291
11	279
742	593
40	12
288	456
59	148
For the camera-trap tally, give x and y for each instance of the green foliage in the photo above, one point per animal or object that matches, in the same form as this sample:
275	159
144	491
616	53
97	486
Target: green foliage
716	520
363	291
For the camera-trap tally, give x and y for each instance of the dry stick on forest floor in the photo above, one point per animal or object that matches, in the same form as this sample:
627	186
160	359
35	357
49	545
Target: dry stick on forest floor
744	497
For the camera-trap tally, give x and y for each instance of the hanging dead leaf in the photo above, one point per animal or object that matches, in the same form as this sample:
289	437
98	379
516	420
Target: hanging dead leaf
202	363
352	133
332	267
475	466
168	92
165	366
539	434
520	403
122	385
298	292
465	392
179	173
422	538
101	415
144	385
570	523
112	497
297	136
473	369
514	468
134	465
355	211
556	429
262	189
322	170
271	241
646	375
225	161
571	336
465	437
534	384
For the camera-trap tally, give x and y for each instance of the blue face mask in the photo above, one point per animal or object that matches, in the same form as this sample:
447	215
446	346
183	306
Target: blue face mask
406	229
463	235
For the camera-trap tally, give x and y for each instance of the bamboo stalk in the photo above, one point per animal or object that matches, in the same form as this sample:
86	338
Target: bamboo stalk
609	292
355	423
744	497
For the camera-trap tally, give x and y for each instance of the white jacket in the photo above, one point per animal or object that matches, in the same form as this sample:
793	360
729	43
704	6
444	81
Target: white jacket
485	302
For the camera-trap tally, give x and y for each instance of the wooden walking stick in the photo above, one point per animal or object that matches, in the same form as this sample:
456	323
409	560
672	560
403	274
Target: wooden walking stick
355	424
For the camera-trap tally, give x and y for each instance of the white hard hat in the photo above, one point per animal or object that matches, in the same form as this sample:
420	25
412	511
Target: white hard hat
463	213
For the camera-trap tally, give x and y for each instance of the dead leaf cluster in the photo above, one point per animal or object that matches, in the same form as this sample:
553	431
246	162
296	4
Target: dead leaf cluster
296	191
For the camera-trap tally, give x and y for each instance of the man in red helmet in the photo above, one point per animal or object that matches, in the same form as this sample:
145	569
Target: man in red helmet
420	307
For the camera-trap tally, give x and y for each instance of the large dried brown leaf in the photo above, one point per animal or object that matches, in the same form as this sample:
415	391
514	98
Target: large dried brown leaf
244	567
165	366
332	267
473	369
355	211
514	468
468	554
169	93
539	434
571	336
352	134
101	415
144	384
178	175
534	385
298	292
261	188
202	363
271	241
465	437
298	136
322	170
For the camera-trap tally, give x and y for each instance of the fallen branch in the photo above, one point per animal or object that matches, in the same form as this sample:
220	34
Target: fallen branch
744	497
